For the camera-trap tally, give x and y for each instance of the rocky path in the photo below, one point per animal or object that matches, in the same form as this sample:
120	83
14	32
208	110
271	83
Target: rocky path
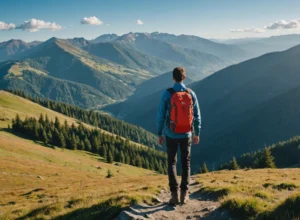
199	207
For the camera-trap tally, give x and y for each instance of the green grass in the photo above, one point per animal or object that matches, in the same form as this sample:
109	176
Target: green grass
38	182
255	194
72	182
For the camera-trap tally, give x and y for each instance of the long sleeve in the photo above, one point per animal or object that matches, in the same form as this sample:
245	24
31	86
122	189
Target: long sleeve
197	116
161	115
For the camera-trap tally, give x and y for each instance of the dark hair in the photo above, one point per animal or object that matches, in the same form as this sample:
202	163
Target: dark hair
179	74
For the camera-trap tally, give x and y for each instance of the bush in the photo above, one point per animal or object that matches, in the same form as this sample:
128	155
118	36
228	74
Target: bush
109	174
283	186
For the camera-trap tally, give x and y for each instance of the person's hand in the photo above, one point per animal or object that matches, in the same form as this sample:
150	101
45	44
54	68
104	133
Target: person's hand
196	139
160	140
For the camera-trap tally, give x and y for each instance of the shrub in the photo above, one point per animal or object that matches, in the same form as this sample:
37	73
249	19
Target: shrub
283	186
109	174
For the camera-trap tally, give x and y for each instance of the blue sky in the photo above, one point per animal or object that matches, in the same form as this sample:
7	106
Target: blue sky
205	18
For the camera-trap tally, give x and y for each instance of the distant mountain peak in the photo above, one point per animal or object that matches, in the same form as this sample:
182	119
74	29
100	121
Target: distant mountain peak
13	42
131	37
105	38
52	40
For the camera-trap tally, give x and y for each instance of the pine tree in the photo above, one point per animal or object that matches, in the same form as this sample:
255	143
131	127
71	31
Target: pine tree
73	142
122	157
95	145
127	160
147	166
234	164
138	161
49	135
57	123
87	145
17	123
103	152
41	119
204	168
110	158
268	159
35	131
61	140
43	136
47	122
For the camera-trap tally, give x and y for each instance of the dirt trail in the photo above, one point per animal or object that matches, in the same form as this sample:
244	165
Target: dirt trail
199	207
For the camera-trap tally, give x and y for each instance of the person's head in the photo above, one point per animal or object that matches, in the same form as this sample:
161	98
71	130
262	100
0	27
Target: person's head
179	74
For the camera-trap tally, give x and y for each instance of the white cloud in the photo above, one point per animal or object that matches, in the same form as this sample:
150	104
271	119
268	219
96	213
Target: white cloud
249	30
34	25
283	24
6	27
91	20
139	22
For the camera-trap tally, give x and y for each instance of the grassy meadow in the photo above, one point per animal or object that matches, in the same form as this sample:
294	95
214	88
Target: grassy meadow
255	194
38	182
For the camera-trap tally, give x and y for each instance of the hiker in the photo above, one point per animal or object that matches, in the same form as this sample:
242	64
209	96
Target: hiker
179	117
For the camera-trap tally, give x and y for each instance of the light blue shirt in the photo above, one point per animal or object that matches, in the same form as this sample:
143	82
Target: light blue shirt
163	114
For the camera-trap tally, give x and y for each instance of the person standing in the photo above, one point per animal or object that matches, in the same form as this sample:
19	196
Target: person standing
179	118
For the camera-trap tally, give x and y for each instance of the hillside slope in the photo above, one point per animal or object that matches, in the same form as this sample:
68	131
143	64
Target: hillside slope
10	105
285	153
10	48
255	194
40	182
59	59
36	82
129	57
266	45
146	93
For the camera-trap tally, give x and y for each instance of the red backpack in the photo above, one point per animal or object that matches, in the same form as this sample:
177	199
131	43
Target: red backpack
181	111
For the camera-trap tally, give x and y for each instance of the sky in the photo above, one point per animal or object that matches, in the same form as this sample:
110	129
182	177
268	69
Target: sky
31	20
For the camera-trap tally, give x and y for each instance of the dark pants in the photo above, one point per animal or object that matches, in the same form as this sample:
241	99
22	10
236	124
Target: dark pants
185	149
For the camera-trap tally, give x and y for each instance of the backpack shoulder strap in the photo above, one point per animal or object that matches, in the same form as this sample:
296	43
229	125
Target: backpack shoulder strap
188	90
171	91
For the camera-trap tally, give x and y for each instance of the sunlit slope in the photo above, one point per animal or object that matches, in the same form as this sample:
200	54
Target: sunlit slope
58	70
41	182
255	194
11	105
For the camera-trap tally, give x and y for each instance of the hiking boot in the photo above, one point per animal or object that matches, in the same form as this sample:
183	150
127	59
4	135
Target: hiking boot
184	196
174	199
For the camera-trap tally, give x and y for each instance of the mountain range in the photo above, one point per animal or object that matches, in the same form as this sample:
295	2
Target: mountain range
95	73
244	107
260	46
125	75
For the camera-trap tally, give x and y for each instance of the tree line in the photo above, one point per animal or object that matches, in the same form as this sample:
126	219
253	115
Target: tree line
103	121
283	154
264	159
112	148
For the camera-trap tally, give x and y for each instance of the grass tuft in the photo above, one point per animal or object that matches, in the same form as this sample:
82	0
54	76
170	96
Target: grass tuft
285	186
288	209
244	208
262	195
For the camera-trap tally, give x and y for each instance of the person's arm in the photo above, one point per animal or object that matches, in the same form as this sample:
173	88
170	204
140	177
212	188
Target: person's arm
161	114
197	119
